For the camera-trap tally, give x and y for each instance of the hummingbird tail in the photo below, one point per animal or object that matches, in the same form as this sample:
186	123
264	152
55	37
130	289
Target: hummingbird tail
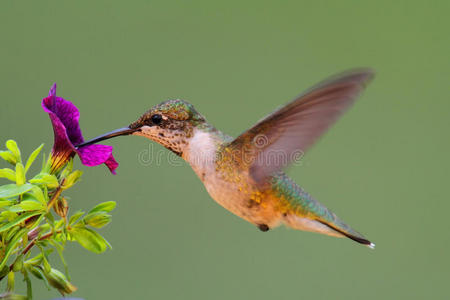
305	213
351	234
336	228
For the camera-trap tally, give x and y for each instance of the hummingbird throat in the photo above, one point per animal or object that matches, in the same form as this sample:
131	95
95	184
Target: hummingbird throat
174	140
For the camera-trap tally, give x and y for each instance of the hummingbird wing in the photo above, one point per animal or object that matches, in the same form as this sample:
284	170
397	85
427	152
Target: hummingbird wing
286	134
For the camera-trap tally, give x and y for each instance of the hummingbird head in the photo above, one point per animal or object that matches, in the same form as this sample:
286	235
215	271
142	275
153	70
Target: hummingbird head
170	123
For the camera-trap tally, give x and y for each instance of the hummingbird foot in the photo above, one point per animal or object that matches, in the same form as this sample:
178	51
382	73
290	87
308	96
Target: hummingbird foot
263	227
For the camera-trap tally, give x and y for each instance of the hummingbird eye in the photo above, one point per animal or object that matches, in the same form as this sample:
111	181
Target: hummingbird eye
156	119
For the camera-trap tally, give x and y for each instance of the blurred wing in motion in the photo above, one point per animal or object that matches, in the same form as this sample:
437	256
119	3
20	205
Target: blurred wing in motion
278	139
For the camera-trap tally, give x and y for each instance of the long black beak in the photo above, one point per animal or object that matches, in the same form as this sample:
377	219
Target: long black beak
114	133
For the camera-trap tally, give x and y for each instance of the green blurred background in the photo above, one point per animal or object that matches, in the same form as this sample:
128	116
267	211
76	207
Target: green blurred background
384	168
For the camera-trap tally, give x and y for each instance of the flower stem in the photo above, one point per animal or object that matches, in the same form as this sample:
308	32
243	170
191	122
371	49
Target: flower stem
33	242
56	195
30	245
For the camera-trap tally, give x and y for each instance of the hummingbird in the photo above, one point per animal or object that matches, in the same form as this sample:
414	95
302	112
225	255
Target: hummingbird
245	174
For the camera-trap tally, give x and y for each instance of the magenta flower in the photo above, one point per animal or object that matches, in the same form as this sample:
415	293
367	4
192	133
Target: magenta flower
64	116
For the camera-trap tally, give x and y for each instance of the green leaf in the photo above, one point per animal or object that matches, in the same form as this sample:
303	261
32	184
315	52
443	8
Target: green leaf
18	263
47	164
105	206
44	163
4	203
15	208
61	237
37	193
11	233
9	157
29	202
28	205
12	146
12	245
50	219
59	224
8	174
67	170
75	217
32	157
45	190
37	260
46	265
101	238
7	216
10	283
24	240
11	190
44	227
71	179
89	239
46	179
20	174
19	219
98	219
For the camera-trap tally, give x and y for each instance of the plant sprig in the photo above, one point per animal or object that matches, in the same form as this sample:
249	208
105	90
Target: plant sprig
35	221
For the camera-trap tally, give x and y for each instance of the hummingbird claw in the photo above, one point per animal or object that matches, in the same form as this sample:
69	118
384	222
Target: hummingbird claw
263	227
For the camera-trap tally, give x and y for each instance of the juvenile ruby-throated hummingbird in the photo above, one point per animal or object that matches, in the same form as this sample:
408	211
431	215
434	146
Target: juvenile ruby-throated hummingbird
244	174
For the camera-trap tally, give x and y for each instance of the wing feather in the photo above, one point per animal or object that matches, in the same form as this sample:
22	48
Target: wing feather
278	139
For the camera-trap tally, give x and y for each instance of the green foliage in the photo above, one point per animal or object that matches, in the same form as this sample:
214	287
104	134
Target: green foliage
14	149
32	157
8	174
34	221
89	239
104	207
71	179
12	190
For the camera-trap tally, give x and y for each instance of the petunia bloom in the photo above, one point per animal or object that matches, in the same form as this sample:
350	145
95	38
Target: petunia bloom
64	117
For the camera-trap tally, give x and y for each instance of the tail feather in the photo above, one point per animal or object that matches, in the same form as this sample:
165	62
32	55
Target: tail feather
357	237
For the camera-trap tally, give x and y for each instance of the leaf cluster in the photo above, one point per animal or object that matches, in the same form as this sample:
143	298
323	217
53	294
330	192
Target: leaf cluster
35	221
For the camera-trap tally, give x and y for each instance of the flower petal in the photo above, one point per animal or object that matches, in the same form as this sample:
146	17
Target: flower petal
67	113
94	155
112	164
63	149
